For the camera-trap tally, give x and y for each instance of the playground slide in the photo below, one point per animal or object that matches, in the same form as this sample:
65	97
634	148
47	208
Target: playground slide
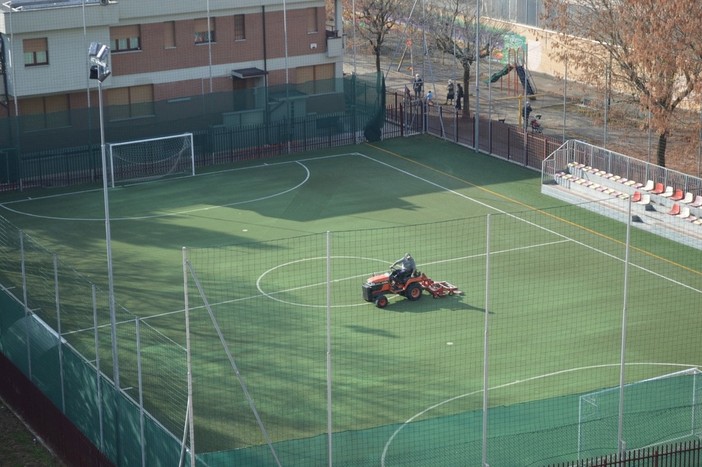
526	80
496	76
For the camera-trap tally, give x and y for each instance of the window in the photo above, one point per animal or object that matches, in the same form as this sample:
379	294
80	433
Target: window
131	102
169	35
125	38
41	113
36	52
239	28
204	30
312	20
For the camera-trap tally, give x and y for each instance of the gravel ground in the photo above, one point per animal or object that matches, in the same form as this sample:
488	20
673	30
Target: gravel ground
18	445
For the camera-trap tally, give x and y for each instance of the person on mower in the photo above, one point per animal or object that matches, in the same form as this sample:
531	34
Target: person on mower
407	267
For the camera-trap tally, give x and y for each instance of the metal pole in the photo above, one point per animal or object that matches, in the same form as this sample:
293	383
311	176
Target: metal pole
476	115
25	302
486	341
622	359
565	98
608	78
209	44
329	357
522	115
649	129
108	243
140	383
353	35
190	425
98	377
57	299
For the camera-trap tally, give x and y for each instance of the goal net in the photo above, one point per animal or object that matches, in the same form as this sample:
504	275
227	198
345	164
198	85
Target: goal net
656	411
153	158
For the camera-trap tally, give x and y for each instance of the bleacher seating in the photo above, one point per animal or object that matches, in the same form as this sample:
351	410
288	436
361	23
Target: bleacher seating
658	199
659	189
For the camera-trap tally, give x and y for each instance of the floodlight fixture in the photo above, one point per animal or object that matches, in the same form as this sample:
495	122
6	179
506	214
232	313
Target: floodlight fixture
99	73
98	53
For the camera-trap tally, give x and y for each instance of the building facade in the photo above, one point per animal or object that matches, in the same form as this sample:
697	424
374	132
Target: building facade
160	52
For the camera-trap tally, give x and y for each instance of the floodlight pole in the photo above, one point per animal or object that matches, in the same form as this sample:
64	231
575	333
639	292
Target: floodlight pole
108	242
98	54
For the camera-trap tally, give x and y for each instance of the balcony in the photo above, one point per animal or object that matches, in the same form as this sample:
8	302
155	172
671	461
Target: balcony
335	44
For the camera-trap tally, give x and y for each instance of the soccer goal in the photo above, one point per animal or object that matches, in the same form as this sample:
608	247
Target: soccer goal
152	158
659	410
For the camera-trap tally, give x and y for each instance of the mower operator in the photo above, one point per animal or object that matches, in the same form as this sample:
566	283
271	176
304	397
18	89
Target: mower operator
407	267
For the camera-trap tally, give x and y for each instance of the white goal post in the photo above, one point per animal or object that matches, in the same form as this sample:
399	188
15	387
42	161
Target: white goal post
151	158
658	410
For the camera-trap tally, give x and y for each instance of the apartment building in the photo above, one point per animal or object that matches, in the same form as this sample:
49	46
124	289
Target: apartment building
162	51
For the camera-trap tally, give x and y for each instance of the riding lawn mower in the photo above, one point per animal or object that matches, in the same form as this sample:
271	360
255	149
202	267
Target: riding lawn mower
379	286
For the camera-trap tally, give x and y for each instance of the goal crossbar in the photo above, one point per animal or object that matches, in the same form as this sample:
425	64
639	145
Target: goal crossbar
671	397
151	158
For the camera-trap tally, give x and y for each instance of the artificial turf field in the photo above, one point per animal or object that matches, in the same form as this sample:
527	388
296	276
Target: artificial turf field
277	251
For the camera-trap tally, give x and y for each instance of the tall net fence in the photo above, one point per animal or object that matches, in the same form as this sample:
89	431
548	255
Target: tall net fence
284	363
301	368
55	326
295	118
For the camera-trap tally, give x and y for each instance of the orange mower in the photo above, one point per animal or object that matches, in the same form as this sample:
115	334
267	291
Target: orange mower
379	286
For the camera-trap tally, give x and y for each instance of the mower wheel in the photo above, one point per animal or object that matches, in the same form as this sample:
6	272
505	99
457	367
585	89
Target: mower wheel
413	292
381	301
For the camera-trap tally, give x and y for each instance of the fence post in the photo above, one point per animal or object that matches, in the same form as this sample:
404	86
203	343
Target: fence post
402	119
189	430
486	343
58	331
141	391
97	367
25	302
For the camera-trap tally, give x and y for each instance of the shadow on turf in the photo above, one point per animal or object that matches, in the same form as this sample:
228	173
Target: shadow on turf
428	306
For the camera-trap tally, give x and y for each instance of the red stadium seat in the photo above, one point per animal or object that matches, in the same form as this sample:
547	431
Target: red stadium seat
678	195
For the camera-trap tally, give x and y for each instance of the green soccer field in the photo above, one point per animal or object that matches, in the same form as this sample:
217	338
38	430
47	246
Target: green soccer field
284	348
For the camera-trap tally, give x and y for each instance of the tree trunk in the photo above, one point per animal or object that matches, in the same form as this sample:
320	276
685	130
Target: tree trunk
466	90
660	152
377	60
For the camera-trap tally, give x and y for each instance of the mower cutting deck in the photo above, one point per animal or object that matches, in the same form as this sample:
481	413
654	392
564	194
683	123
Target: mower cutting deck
377	287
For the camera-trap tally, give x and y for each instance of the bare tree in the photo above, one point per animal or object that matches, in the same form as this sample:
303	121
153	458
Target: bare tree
373	21
651	49
453	30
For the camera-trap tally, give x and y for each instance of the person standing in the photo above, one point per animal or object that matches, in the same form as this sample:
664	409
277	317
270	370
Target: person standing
459	96
450	93
526	112
430	98
418	85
